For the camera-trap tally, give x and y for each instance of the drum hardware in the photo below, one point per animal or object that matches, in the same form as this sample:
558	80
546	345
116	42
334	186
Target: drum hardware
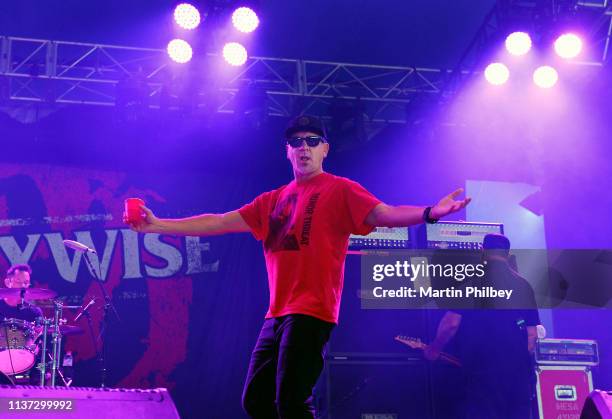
60	373
56	329
6	379
20	337
42	366
21	341
57	341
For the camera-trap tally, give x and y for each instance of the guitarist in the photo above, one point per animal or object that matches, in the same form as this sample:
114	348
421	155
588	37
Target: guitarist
496	342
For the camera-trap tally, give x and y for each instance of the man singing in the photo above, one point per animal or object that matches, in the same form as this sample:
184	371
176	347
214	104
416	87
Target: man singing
304	227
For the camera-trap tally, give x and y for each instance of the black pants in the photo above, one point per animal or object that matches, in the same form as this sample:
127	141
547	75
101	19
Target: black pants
285	365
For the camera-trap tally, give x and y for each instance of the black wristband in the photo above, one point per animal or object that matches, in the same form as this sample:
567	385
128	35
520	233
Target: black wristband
427	218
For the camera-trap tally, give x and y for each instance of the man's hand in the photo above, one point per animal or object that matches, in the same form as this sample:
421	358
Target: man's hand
149	223
532	337
449	205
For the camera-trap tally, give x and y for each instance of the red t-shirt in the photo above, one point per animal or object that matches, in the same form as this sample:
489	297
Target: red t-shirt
305	229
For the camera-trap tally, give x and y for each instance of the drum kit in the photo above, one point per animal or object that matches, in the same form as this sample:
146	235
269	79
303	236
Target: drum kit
23	343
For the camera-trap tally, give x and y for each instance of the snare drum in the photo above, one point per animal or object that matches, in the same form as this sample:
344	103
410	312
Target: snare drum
17	346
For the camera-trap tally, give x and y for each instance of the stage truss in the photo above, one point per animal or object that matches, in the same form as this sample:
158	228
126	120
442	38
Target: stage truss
591	18
58	72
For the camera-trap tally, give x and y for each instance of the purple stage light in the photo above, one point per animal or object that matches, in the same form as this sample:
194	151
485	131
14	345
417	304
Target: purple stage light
518	43
568	45
186	16
545	77
179	51
497	73
235	54
245	19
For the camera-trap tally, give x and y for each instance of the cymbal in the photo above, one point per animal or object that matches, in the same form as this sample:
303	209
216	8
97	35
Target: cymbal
53	303
67	330
29	293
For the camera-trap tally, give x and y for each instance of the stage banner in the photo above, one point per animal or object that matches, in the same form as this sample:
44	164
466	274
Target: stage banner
187	306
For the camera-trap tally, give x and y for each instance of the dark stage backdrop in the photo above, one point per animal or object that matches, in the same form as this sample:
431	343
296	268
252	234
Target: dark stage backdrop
189	307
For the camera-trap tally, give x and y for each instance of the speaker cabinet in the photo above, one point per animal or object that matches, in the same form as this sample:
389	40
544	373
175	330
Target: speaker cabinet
83	402
376	388
597	406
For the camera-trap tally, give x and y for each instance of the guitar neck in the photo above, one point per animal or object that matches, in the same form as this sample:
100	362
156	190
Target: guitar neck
417	344
450	359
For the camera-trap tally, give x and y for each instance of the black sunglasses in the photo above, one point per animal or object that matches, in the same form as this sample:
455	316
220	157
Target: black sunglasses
312	141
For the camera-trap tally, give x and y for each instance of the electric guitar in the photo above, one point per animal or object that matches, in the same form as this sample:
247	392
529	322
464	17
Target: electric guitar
416	343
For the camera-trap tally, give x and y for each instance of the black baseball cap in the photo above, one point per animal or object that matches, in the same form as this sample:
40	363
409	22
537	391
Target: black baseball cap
305	123
496	242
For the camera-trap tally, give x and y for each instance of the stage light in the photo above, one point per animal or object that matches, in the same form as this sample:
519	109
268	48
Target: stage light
518	43
186	16
497	73
179	51
545	77
568	45
245	19
235	54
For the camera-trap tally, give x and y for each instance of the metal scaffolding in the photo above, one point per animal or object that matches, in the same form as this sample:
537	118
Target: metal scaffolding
58	72
601	27
593	17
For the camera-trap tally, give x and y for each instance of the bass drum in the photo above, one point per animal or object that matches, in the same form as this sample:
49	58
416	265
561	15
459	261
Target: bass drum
17	346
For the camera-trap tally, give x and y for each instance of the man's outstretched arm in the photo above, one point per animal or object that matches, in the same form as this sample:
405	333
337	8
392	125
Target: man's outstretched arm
199	225
384	215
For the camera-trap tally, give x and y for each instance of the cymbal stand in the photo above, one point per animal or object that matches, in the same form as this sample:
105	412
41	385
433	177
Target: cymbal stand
57	341
61	375
42	365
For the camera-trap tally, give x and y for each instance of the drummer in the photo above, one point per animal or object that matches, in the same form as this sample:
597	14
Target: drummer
18	276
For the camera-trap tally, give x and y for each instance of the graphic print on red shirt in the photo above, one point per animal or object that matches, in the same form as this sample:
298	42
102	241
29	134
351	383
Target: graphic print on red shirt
282	228
305	228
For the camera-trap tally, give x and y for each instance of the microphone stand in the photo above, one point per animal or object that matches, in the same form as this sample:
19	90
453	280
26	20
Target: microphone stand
108	305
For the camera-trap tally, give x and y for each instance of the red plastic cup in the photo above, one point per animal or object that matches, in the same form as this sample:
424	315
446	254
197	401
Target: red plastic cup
133	210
